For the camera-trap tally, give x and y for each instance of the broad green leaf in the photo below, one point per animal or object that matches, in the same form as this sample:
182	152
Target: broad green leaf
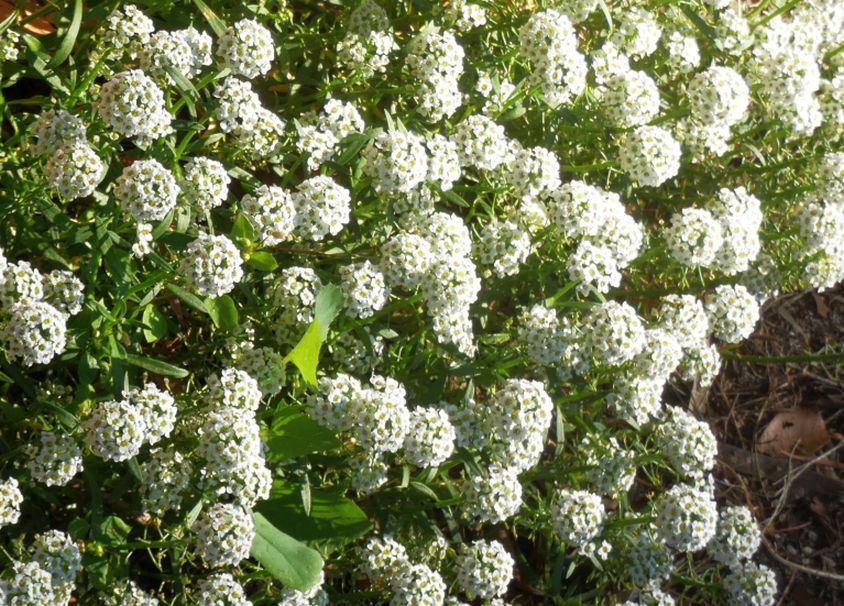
262	261
66	46
159	367
223	312
333	521
328	304
291	562
113	531
305	355
155	324
293	434
242	231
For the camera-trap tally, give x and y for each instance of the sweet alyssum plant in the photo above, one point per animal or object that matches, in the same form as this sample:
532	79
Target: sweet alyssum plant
356	303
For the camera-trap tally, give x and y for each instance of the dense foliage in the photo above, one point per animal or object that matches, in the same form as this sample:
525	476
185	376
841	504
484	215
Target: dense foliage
354	303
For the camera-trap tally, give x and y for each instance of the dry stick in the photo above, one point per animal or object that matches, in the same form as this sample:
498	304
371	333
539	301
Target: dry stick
801	567
799	471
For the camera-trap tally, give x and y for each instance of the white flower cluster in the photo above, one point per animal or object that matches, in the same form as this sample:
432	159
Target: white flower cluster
737	537
147	190
740	215
413	584
481	143
650	561
230	450
212	265
186	51
686	517
436	60
494	495
609	238
683	51
367	45
694	237
616	334
638	33
505	246
551	340
786	71
649	155
10	502
652	597
430	439
133	105
320	135
549	42
56	554
485	569
322	208
36	309
294	296
126	33
117	430
247	48
516	422
9	41
733	312
55	460
578	516
127	593
270	210
167	474
56	128
684	317
687	444
396	162
630	98
751	585
224	534
719	98
466	15
612	468
220	589
31	585
75	170
821	221
205	182
257	130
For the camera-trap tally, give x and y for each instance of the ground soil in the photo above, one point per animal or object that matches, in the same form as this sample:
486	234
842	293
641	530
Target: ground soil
795	488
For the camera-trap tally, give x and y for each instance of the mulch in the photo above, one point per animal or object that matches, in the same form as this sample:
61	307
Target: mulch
798	494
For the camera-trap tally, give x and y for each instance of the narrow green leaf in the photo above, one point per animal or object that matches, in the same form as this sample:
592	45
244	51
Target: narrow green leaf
211	17
188	297
262	261
223	312
159	367
66	46
291	562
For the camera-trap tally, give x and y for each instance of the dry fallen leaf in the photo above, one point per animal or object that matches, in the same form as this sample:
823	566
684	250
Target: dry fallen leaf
801	431
40	26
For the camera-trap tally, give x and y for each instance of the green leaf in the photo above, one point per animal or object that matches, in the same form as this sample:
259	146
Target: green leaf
294	434
188	297
159	367
291	562
66	46
223	312
155	324
113	531
305	355
262	261
242	231
333	521
328	304
211	17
